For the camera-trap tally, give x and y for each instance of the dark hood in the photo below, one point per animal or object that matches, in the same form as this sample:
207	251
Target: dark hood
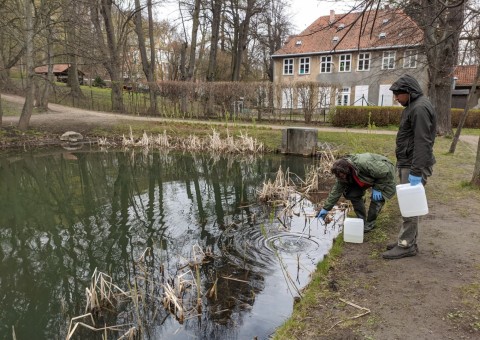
407	84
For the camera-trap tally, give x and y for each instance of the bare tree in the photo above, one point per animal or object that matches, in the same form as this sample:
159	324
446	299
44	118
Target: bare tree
216	8
148	64
12	42
24	120
441	22
111	27
70	12
241	13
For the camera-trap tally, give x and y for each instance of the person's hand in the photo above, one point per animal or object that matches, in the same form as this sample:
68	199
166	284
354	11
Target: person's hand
376	195
322	214
414	180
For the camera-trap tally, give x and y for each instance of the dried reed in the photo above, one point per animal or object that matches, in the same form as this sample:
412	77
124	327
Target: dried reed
244	144
102	292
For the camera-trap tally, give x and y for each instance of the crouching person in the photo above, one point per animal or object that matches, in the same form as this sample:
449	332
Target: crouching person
355	174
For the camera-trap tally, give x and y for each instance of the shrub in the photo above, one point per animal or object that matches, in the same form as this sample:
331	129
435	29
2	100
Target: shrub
348	116
99	82
472	121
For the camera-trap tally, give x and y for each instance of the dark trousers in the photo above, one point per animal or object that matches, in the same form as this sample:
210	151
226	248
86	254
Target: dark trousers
355	194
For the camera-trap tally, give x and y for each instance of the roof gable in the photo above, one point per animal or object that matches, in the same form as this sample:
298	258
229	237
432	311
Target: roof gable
57	68
383	29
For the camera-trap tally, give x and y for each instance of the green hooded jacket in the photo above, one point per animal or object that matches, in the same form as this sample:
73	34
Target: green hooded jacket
375	170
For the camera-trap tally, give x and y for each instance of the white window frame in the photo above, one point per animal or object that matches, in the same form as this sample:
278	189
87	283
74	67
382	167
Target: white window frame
410	59
364	59
385	96
325	97
343	96
361	95
388	60
288	66
287	98
304	65
303	96
326	63
345	62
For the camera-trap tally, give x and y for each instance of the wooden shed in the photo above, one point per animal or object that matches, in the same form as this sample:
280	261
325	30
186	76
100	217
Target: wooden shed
60	71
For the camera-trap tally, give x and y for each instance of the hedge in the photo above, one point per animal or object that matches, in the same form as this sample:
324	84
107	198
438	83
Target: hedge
347	116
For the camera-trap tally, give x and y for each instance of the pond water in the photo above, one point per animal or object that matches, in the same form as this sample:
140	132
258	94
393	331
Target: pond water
142	218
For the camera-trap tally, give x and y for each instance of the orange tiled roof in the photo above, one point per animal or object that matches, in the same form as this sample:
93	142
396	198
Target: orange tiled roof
391	28
465	74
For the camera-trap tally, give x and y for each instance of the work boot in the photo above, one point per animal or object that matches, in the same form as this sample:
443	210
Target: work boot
392	245
399	252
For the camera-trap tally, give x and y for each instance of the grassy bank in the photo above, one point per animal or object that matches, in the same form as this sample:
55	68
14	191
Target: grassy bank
448	184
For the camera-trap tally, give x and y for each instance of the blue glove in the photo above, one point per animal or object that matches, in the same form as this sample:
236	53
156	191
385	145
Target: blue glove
414	180
376	195
322	214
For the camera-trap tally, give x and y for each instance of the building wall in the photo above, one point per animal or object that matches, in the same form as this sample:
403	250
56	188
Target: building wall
373	78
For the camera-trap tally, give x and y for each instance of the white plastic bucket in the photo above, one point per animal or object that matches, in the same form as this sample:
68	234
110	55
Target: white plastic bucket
353	230
412	200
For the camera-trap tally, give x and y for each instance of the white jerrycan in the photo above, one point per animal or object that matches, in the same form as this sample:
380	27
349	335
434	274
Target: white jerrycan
412	200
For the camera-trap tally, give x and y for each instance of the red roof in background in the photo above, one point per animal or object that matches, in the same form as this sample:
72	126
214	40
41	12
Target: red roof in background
391	28
465	74
57	68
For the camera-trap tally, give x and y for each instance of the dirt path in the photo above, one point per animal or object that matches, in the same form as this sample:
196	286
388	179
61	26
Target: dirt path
434	295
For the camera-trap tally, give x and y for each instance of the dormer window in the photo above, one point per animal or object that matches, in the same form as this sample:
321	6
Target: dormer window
382	35
335	39
385	21
298	42
341	27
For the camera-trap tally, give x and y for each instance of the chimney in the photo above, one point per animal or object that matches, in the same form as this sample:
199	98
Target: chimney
332	16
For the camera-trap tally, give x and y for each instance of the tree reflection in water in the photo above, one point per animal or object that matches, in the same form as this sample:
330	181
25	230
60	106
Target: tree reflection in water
62	215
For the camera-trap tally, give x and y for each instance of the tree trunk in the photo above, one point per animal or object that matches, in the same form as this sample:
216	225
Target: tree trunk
113	65
71	30
193	44
212	61
110	49
43	92
442	27
26	114
1	108
476	171
152	86
148	66
241	40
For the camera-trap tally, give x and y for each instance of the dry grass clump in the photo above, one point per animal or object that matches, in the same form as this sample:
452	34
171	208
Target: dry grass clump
279	191
180	295
319	172
243	144
284	186
101	295
102	292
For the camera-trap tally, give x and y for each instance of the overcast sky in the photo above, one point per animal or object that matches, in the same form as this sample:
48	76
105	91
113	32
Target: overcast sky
306	12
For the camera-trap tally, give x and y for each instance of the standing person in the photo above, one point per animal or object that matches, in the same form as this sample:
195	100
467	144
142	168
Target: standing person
414	151
355	174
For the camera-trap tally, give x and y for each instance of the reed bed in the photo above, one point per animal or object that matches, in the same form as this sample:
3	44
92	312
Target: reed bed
243	144
179	295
